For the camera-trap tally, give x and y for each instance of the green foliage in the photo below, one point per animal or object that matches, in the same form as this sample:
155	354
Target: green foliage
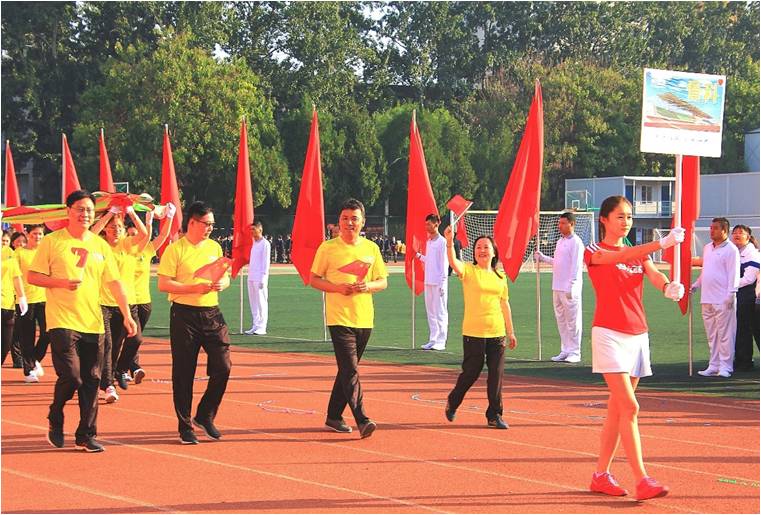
203	102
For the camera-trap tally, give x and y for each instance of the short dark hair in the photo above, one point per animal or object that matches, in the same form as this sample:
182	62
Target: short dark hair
17	235
723	222
257	223
569	216
433	217
352	204
31	227
77	195
197	209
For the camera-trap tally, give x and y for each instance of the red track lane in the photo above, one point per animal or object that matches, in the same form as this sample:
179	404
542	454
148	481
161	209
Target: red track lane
276	456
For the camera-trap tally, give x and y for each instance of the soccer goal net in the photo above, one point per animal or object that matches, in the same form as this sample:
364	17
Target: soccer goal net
481	223
700	238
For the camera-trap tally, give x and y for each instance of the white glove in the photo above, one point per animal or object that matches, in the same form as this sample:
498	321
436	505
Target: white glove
538	256
130	210
674	291
676	235
171	209
23	305
114	210
729	302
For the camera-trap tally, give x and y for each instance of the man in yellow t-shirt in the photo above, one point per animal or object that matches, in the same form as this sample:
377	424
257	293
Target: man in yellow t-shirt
32	353
11	283
71	264
196	322
349	269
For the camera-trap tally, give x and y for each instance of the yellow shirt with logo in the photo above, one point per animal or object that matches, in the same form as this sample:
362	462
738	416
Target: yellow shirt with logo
61	256
10	269
143	274
25	256
482	291
180	261
348	310
125	253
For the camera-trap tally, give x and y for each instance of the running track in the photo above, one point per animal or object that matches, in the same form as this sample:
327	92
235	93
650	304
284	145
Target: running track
275	455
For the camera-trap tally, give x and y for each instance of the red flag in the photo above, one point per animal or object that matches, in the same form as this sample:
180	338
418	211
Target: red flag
309	223
169	191
690	213
69	173
462	233
459	205
106	181
420	203
243	216
215	270
356	267
518	215
12	195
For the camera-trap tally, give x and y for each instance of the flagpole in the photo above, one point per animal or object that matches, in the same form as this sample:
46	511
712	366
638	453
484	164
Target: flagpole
241	304
413	301
677	276
689	329
63	169
538	305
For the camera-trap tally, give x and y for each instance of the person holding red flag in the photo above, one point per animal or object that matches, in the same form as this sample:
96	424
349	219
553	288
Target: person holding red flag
349	269
620	343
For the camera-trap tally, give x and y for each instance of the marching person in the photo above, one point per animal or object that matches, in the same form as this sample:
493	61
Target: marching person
72	263
747	307
620	342
196	322
11	285
349	268
258	278
567	265
487	325
32	353
718	283
18	241
436	285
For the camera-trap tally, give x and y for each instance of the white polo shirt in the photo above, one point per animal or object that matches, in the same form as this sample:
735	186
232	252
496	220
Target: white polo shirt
259	261
721	272
567	264
435	260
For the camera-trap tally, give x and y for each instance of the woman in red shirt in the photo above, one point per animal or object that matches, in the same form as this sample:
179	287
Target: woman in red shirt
620	344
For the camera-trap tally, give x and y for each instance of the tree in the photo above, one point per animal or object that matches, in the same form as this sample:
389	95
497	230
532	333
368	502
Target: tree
203	102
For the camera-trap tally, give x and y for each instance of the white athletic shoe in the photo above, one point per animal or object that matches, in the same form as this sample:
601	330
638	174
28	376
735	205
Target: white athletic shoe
111	395
560	357
708	372
725	373
31	378
38	370
439	346
250	331
572	358
260	333
428	346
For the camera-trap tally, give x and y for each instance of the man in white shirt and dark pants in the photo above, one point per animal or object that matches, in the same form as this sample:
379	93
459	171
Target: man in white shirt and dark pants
718	282
258	276
436	286
566	287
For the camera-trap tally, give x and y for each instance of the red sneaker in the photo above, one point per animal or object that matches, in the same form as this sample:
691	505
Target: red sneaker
606	484
649	488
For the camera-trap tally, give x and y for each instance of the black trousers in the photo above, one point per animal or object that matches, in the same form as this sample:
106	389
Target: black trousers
747	331
113	321
190	329
143	314
18	361
124	352
349	344
8	321
77	359
27	329
474	349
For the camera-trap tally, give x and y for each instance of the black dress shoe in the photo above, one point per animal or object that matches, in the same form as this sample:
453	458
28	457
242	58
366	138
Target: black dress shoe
367	429
498	423
339	426
188	437
208	427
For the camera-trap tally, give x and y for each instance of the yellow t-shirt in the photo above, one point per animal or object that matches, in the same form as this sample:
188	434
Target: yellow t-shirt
61	256
10	269
180	261
348	310
25	256
482	291
143	274
124	254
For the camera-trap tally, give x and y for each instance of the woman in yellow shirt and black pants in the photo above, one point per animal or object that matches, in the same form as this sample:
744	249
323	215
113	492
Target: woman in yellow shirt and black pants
487	326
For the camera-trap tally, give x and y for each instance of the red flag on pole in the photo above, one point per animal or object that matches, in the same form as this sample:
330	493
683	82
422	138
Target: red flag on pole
420	203
309	223
518	215
462	233
690	213
243	216
12	194
169	191
69	173
106	180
